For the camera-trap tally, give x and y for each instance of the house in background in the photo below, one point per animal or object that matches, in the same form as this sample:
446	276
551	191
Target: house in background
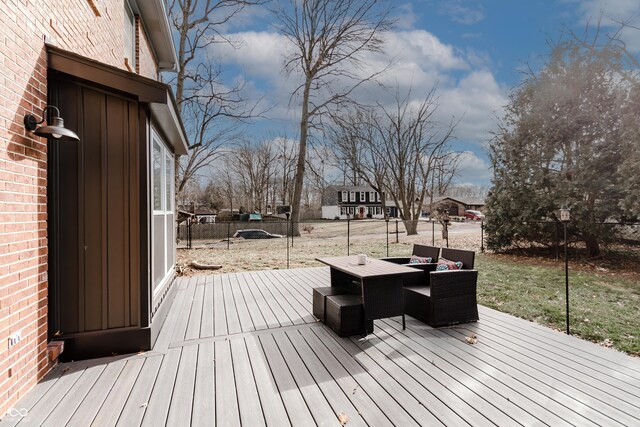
356	201
87	235
454	206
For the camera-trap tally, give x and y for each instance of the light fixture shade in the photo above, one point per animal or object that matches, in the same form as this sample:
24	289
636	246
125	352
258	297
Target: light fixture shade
56	130
565	214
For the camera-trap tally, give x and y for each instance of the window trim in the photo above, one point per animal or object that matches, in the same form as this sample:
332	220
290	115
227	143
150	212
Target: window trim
165	211
130	27
352	196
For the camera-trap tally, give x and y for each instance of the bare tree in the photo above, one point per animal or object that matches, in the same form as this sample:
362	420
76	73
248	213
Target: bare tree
202	98
329	37
253	167
399	151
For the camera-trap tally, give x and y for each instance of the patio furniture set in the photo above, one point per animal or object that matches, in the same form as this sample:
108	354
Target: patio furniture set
434	285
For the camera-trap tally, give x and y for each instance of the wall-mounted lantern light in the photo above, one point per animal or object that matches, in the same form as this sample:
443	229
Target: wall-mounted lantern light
565	214
54	130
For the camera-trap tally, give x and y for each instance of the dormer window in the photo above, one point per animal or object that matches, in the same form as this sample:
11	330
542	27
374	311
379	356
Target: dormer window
352	196
345	196
363	196
372	196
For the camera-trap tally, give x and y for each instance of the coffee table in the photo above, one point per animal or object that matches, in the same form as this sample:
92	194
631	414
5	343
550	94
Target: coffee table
378	282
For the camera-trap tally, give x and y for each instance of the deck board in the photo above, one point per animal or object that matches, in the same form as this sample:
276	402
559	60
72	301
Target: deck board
204	407
227	412
251	411
243	349
511	394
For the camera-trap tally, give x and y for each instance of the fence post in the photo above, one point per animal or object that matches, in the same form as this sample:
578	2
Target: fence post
189	233
557	245
348	232
292	232
433	233
397	241
228	235
386	219
482	236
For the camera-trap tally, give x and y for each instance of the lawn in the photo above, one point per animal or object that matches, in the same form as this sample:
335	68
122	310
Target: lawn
604	306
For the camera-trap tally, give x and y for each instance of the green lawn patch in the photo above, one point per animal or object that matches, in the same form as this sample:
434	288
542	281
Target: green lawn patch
604	307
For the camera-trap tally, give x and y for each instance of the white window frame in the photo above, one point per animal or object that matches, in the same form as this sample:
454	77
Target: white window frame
372	196
377	197
130	30
363	196
345	196
352	196
167	203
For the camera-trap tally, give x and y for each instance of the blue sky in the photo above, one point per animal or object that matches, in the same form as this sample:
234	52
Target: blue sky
472	49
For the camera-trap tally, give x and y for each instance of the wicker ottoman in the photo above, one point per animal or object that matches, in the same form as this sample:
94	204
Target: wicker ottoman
319	297
344	315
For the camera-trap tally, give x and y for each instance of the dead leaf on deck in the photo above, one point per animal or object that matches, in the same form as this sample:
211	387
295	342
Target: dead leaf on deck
354	390
140	353
64	371
607	343
471	339
144	405
343	418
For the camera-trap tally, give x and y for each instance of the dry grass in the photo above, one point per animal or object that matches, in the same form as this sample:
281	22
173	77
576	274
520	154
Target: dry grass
325	239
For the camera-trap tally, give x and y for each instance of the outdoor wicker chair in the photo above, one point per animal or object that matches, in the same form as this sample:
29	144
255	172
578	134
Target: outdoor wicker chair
448	297
422	251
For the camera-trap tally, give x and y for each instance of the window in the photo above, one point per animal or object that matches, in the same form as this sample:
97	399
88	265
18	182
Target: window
352	196
363	196
378	197
344	196
163	229
372	196
129	37
157	175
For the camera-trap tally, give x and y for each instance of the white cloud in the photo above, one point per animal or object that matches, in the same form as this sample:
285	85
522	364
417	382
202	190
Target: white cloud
466	89
465	12
473	169
477	100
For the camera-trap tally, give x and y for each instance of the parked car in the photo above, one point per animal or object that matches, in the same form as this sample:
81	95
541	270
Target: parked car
474	215
254	233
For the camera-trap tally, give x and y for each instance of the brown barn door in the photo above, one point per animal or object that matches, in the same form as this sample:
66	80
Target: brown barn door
94	225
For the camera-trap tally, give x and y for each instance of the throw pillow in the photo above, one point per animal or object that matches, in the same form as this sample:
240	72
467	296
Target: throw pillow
415	259
445	264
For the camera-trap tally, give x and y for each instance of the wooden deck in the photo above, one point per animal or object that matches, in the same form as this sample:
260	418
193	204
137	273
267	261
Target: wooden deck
244	349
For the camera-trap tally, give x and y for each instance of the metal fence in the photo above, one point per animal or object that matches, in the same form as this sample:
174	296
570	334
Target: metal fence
310	239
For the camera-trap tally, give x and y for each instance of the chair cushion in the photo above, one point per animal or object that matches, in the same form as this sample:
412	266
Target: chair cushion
415	259
445	264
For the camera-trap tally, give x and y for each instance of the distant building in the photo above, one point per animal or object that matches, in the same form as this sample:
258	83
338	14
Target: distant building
454	206
356	201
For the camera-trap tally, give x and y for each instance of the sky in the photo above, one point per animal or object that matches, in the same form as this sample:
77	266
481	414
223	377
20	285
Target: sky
474	51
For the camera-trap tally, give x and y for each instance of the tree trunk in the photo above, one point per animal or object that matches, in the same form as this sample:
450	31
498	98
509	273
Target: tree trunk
593	246
411	225
302	153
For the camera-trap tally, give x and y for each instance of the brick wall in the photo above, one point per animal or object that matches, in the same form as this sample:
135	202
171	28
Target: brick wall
72	25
